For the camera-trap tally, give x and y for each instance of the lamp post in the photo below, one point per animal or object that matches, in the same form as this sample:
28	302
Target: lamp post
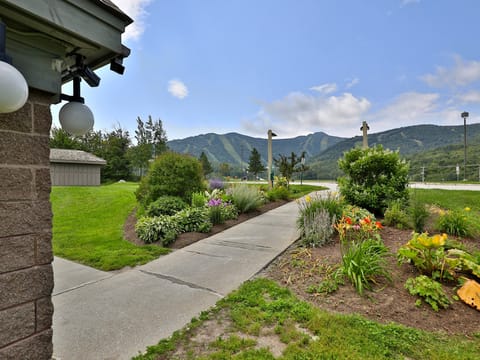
270	134
303	167
464	116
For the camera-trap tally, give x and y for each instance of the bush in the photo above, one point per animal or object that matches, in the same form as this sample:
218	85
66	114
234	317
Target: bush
229	211
160	228
193	219
245	198
374	177
356	225
278	193
363	262
171	174
165	205
396	216
454	222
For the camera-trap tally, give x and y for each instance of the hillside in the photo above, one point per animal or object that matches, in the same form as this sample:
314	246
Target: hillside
235	149
411	142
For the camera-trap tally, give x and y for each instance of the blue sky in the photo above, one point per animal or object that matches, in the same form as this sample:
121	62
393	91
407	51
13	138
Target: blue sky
293	66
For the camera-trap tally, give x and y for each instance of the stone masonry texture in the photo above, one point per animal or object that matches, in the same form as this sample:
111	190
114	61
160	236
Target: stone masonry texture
26	275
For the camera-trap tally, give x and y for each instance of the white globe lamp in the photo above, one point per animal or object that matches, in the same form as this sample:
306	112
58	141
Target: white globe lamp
76	118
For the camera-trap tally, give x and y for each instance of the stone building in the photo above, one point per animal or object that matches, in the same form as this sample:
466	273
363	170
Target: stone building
46	41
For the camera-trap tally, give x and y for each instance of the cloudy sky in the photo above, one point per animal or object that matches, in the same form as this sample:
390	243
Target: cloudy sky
293	66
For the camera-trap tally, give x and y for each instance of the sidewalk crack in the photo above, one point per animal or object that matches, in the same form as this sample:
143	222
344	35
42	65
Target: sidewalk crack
177	281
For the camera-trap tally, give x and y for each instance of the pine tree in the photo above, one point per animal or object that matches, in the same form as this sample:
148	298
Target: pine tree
255	163
207	167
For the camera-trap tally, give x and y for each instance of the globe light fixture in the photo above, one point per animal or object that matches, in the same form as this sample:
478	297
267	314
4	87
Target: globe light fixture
75	117
14	87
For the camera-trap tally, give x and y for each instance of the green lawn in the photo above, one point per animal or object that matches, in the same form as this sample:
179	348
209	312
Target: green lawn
88	226
262	308
448	199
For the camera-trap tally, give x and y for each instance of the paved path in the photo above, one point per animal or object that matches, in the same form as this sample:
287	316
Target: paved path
103	315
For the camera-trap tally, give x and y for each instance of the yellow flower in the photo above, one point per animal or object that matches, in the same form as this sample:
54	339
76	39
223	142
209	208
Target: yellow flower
467	209
439	240
308	198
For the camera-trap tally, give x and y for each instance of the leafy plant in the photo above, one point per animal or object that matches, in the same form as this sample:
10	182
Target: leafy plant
374	177
278	193
245	198
396	216
430	290
229	211
317	228
165	205
193	219
159	228
363	262
199	199
454	222
427	253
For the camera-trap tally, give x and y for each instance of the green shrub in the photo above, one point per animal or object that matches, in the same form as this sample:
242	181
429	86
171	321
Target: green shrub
193	219
373	178
171	174
165	205
430	290
245	198
396	216
160	228
419	215
229	211
454	222
363	262
199	199
278	193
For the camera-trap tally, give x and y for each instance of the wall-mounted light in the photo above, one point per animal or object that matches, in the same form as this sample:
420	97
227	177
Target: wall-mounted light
14	87
75	117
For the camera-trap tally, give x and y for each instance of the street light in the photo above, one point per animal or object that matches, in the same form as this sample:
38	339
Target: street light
269	166
464	116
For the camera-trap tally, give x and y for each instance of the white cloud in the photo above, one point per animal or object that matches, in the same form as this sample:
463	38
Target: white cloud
298	114
177	89
325	88
469	97
407	109
461	74
136	9
352	82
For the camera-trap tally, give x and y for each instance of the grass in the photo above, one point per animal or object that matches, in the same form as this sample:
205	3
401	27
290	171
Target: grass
88	226
456	200
306	332
298	191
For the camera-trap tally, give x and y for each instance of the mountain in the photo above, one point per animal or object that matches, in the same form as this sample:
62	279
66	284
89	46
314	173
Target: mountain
411	142
235	149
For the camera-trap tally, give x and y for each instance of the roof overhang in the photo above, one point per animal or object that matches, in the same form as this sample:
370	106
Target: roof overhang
42	36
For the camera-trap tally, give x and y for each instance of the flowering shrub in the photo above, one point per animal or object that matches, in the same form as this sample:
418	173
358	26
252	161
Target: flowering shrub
215	211
356	225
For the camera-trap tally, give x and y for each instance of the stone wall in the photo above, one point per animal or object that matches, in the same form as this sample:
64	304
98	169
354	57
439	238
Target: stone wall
26	276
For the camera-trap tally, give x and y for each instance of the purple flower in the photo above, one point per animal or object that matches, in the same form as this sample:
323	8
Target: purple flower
216	184
214	202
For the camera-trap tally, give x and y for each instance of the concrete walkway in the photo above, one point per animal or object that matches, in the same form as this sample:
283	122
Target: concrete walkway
102	315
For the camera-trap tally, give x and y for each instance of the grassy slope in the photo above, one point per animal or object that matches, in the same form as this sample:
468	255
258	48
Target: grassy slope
88	226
